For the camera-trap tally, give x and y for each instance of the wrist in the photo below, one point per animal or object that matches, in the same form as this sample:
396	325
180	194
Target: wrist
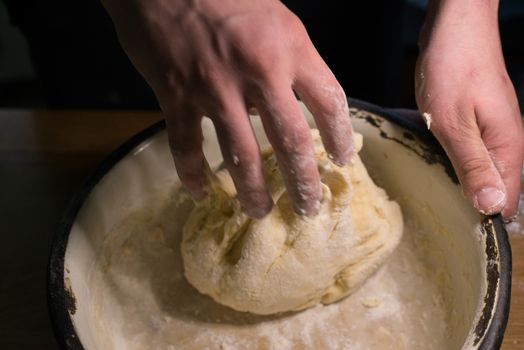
457	16
141	8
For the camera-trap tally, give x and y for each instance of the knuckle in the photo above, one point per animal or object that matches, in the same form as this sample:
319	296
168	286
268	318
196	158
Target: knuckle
294	140
256	50
241	152
335	105
452	125
244	157
264	61
296	30
474	166
185	154
185	136
180	145
209	72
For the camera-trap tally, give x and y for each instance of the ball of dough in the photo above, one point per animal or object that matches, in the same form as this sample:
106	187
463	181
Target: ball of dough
286	261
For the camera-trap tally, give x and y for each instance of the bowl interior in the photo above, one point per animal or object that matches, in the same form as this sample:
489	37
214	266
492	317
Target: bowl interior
447	237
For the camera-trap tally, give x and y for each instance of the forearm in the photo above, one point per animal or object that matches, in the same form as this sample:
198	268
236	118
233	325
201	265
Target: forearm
459	15
180	9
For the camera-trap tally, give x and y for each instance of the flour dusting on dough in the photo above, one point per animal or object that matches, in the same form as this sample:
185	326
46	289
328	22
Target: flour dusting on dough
285	261
141	300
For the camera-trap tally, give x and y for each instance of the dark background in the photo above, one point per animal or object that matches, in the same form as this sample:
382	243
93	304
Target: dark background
64	54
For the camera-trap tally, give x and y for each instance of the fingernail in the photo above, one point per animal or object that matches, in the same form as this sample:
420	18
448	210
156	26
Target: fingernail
488	200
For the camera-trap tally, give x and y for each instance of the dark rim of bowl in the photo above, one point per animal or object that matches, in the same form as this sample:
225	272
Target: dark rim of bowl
489	330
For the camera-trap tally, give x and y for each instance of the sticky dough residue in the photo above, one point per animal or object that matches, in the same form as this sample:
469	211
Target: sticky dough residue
427	118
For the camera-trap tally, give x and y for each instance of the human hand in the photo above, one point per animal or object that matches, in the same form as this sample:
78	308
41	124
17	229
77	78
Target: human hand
220	58
461	81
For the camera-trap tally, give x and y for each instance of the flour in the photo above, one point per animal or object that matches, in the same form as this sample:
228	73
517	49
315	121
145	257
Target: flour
140	299
427	118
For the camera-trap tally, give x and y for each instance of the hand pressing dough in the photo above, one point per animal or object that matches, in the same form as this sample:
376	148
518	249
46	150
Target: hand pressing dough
286	261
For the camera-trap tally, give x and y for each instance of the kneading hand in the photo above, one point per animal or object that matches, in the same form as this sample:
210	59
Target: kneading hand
461	81
220	58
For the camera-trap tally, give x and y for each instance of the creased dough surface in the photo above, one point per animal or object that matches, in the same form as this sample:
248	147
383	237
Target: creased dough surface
286	261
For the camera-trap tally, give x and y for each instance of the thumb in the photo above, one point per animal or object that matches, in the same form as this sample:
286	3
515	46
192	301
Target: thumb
478	175
504	138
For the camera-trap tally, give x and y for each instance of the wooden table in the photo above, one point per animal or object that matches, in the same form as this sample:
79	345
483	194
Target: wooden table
44	157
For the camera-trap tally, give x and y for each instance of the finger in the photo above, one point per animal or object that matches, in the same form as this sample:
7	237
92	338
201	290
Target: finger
242	156
324	97
459	134
185	140
290	136
504	141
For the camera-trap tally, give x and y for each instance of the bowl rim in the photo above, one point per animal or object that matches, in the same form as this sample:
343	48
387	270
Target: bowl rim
488	332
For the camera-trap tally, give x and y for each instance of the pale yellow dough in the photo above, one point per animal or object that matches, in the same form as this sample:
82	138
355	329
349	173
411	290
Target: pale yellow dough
285	261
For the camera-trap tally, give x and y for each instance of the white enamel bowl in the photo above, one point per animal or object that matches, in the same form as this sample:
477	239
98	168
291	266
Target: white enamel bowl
405	160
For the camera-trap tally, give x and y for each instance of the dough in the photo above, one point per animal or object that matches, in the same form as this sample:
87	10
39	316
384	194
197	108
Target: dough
286	261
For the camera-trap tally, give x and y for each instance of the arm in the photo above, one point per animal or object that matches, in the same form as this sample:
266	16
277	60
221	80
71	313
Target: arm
218	59
461	81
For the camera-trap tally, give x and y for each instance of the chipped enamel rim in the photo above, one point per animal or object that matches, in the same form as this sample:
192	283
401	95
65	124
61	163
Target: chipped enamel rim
488	331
